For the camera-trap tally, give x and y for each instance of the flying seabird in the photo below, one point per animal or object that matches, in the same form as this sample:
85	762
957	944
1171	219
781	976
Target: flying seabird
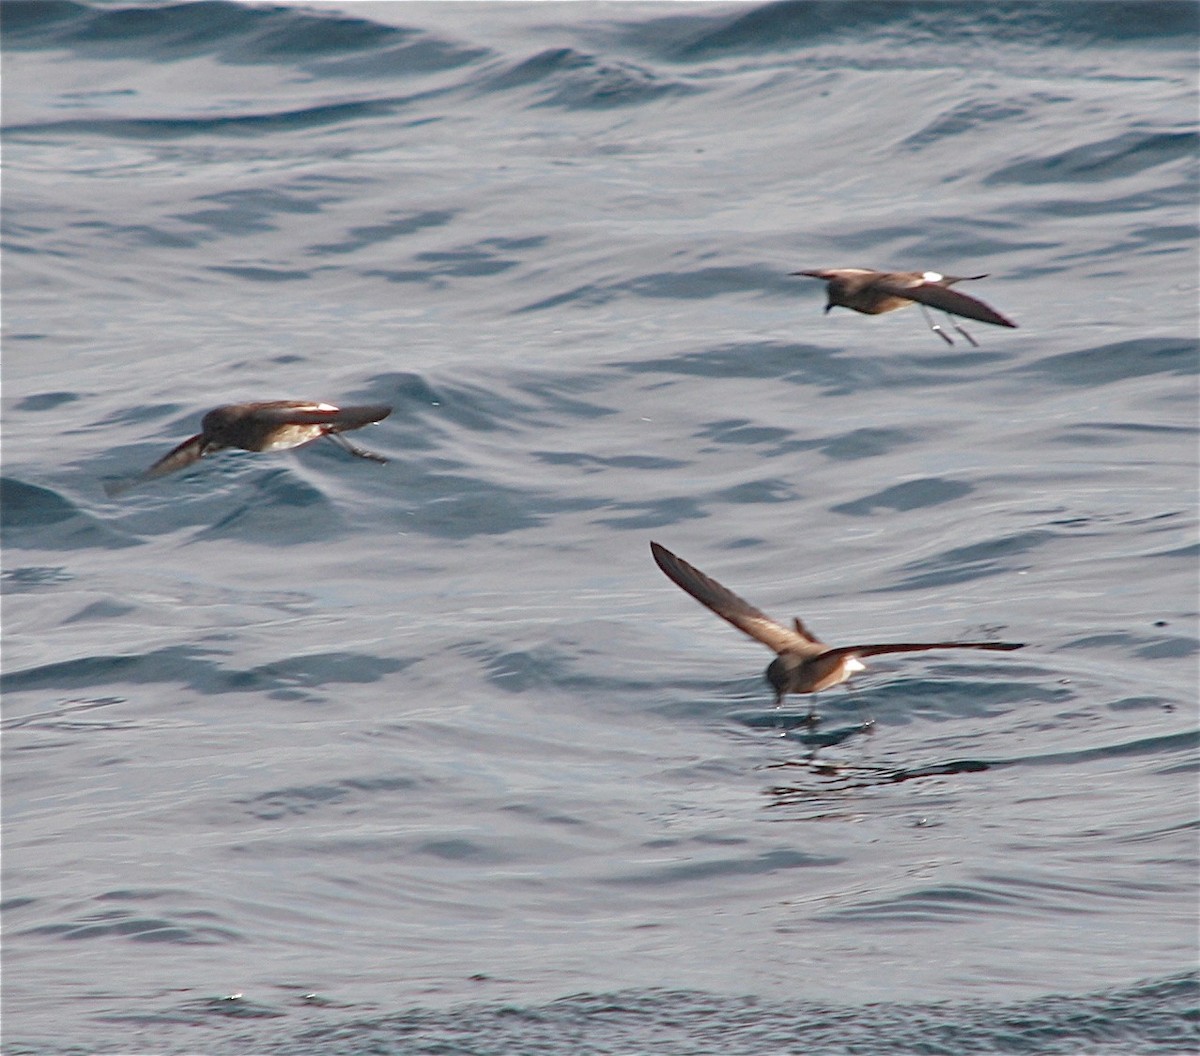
275	425
875	292
804	664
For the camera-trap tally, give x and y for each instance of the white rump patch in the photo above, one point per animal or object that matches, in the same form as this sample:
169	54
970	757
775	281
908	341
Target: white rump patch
854	664
932	276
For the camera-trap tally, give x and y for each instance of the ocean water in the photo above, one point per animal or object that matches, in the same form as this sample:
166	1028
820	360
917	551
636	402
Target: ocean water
307	754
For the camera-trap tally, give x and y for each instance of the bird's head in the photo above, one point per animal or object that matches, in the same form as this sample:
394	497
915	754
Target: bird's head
778	676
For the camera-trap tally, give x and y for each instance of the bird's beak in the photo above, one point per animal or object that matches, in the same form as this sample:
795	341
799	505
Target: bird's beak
827	307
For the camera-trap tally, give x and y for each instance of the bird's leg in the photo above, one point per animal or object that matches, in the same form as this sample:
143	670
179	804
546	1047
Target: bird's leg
962	331
813	720
868	722
358	452
935	326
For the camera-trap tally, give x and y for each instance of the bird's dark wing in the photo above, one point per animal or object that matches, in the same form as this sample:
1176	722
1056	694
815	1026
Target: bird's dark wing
191	450
357	417
920	647
744	616
341	418
804	632
938	296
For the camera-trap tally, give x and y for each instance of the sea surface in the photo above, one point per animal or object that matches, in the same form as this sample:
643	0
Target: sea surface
307	754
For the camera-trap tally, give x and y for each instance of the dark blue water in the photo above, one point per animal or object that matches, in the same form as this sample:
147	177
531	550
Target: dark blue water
306	754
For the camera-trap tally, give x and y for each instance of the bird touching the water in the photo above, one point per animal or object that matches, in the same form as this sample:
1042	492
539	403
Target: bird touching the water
274	425
804	664
875	292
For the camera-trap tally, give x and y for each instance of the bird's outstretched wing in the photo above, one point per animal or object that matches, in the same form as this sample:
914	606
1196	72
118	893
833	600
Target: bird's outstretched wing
948	300
191	450
831	273
726	604
919	647
340	418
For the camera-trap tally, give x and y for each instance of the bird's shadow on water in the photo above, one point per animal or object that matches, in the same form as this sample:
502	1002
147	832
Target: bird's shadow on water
823	777
815	777
801	728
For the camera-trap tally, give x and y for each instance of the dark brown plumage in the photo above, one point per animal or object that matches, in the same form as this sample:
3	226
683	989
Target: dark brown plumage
875	292
275	425
804	663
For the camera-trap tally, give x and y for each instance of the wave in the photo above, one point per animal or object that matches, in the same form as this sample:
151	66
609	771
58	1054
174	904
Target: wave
791	23
230	32
1151	1016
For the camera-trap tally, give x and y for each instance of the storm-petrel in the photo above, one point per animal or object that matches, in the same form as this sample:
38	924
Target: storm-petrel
875	292
804	664
275	425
